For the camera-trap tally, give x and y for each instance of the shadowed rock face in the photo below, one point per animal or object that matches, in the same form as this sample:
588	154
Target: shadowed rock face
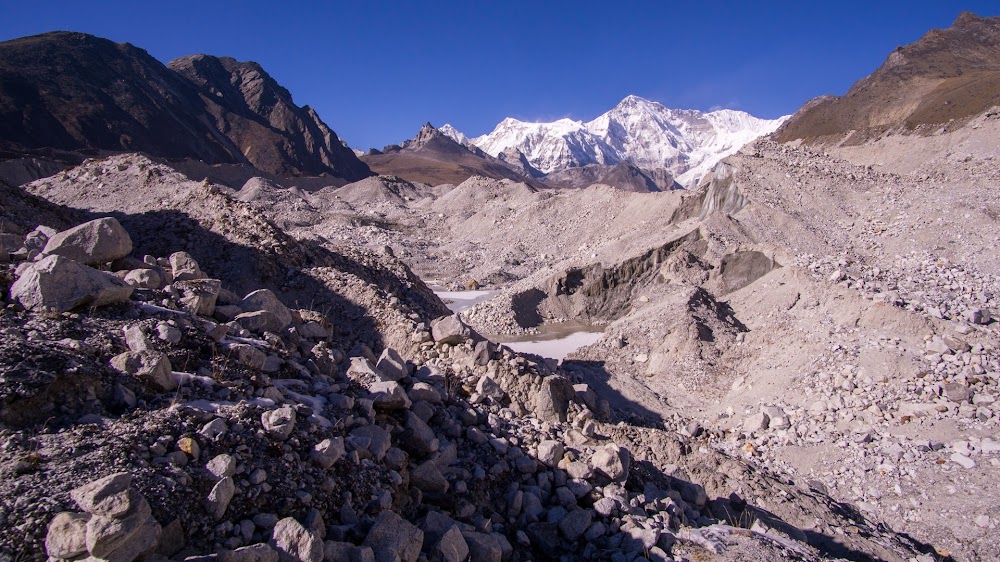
951	73
258	114
72	91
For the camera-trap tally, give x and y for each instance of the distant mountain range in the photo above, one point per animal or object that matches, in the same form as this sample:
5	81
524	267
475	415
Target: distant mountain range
73	92
683	143
435	157
70	91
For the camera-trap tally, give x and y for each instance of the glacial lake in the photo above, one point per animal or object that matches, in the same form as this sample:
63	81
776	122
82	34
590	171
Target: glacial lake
554	341
457	301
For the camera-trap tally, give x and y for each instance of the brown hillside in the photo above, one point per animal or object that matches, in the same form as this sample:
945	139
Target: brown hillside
949	74
434	159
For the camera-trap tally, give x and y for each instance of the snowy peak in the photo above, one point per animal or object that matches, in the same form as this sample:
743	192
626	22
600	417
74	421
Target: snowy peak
632	105
548	146
685	143
453	133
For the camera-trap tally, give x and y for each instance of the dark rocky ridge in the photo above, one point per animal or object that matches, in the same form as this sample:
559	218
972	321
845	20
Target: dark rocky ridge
949	74
76	92
249	105
516	158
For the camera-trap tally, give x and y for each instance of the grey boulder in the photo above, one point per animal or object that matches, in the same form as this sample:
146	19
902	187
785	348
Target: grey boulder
370	441
394	538
60	284
95	242
259	552
198	296
108	497
391	365
295	543
389	396
146	278
328	451
67	535
218	499
183	267
279	424
151	367
264	299
553	398
449	329
613	461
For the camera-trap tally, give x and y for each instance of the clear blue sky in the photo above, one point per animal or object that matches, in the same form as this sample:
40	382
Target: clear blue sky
375	71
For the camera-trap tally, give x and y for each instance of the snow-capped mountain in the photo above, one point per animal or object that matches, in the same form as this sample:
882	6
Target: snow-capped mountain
549	146
454	134
686	143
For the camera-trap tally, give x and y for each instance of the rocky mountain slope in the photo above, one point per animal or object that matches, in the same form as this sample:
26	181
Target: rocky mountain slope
685	143
258	114
320	405
76	92
943	79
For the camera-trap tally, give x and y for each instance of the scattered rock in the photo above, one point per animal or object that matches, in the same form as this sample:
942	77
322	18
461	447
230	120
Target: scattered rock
613	461
575	524
391	366
371	440
389	395
550	452
218	499
394	538
489	388
151	367
553	398
146	278
264	299
110	496
295	543
328	451
449	330
67	535
259	552
221	466
963	460
957	392
279	424
427	477
198	296
183	267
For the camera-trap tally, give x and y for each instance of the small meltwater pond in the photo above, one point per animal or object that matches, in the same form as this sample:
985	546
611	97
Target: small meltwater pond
457	301
554	341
